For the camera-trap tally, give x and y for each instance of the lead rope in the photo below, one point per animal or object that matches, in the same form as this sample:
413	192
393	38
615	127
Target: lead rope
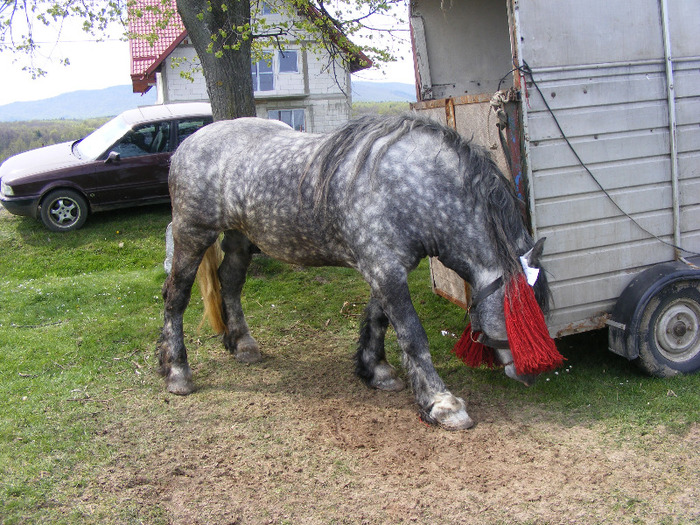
526	69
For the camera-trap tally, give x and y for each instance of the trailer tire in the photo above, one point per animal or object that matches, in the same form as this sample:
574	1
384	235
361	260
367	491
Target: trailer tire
669	330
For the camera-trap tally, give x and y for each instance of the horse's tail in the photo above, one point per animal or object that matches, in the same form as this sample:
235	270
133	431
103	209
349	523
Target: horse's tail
210	288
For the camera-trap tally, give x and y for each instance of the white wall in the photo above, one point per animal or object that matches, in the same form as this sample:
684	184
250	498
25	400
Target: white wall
322	91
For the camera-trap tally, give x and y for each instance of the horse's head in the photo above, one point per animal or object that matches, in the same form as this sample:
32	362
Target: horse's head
487	313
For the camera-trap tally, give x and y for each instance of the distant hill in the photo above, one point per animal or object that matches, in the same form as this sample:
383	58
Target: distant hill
113	100
78	105
383	92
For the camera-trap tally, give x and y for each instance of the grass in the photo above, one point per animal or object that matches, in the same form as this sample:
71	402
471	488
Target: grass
80	314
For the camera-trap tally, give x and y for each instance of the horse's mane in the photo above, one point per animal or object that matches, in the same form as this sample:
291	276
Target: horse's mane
481	177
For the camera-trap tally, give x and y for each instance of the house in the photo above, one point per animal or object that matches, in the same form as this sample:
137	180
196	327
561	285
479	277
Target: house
307	89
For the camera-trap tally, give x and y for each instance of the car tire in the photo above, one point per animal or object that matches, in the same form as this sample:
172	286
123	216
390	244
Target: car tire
64	210
669	330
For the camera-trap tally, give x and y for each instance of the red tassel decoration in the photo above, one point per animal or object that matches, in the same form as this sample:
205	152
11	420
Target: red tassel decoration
472	352
532	348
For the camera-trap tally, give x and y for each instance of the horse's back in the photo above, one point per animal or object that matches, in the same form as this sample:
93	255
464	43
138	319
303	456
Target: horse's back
226	138
221	161
246	175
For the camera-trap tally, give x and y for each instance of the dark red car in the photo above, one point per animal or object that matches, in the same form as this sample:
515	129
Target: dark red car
123	163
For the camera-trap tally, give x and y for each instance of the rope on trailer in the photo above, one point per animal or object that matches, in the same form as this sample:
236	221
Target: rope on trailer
526	69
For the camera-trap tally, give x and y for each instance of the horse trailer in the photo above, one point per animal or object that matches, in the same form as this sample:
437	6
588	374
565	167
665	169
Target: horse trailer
593	108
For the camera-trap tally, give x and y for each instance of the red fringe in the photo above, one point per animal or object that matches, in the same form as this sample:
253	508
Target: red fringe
472	352
532	348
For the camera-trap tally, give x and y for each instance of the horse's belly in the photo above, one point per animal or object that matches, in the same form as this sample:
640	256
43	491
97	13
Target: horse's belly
301	248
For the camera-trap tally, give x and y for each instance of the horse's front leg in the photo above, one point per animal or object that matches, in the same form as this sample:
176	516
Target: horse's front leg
435	403
370	361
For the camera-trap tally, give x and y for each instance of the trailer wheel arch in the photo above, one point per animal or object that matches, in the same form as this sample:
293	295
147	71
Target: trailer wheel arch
647	309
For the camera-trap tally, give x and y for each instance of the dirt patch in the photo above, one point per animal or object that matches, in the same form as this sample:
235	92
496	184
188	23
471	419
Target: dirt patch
297	439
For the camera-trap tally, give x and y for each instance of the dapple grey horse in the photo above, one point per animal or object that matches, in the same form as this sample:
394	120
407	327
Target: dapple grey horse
378	195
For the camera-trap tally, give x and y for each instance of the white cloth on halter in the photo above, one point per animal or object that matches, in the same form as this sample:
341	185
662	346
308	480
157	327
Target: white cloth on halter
531	274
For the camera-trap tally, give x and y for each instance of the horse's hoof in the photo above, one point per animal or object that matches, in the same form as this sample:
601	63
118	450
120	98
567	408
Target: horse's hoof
385	378
450	412
179	381
526	379
247	351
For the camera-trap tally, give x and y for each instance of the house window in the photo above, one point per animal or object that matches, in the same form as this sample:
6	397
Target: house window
288	61
293	117
263	75
266	9
264	70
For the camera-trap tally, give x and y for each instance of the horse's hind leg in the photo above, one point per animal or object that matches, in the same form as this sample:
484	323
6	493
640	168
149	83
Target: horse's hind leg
232	273
370	361
172	354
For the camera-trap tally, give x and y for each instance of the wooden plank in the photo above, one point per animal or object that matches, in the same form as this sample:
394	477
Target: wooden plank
562	182
587	265
600	91
448	284
590	32
477	122
592	207
688	138
586	236
598	120
607	148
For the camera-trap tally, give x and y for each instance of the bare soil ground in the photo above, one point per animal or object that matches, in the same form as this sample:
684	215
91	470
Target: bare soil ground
298	439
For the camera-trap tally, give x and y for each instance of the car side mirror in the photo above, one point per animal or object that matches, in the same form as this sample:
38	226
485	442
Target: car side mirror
113	157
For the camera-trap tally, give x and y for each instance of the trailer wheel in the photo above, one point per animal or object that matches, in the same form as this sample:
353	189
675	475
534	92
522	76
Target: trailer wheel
669	330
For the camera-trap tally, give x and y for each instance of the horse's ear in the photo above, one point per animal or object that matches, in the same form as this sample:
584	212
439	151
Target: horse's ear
533	256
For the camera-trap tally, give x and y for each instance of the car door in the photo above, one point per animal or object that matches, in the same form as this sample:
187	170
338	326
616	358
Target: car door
135	169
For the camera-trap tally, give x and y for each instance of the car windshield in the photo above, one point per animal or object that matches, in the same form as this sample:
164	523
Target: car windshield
102	138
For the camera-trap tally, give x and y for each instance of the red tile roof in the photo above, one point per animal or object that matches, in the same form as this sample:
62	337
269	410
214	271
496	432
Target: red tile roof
153	43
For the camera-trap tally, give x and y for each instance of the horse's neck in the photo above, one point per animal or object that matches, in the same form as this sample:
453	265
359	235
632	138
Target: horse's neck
485	275
490	264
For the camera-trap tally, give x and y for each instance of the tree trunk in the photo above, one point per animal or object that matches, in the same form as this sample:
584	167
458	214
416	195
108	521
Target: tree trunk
226	66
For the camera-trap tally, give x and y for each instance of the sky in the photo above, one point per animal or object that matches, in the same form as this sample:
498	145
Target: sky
96	65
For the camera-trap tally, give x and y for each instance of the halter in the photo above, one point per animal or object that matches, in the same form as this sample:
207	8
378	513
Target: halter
483	294
531	276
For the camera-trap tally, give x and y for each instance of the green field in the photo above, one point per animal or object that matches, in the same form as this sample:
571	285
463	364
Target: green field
84	415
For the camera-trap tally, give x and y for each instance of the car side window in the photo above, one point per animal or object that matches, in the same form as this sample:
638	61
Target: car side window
145	140
185	128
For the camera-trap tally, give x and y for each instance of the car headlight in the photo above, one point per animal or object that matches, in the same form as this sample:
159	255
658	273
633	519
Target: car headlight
6	189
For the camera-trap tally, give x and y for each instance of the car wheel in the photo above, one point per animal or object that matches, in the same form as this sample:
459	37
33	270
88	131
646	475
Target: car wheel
669	331
64	210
